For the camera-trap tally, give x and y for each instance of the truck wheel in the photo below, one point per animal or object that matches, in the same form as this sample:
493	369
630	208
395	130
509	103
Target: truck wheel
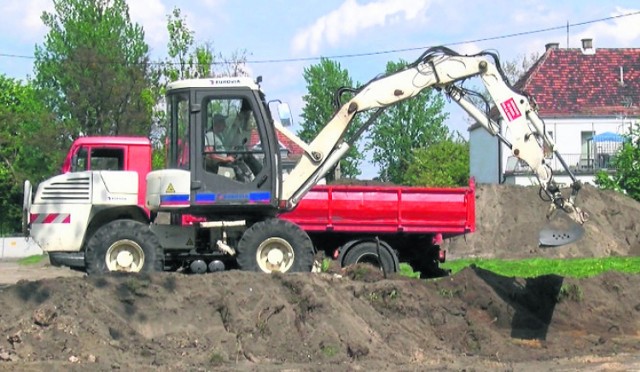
367	252
275	245
124	246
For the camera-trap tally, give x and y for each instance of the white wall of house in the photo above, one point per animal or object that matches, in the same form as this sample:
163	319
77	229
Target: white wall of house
570	136
566	132
561	180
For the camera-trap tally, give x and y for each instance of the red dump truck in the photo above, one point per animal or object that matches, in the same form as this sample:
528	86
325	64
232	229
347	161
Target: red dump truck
385	224
377	224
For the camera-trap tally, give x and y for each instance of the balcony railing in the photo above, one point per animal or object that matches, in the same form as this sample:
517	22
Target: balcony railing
578	164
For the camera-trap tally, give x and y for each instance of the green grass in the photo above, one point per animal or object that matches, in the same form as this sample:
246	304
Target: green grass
325	265
32	260
406	270
534	267
329	350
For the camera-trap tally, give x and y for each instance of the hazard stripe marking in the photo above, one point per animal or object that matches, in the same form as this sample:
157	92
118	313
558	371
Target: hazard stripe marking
47	218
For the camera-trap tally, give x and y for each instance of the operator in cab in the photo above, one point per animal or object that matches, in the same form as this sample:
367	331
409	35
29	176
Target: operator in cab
214	146
239	133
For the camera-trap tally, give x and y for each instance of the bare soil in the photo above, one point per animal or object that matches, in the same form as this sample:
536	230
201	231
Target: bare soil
508	219
349	320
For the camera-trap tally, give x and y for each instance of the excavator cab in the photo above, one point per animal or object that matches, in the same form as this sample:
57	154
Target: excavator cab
222	140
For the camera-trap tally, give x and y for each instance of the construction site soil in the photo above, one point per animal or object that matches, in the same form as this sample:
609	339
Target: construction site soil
354	319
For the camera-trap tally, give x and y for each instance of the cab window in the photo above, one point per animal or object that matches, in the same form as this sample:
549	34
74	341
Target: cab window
107	159
230	134
98	159
178	148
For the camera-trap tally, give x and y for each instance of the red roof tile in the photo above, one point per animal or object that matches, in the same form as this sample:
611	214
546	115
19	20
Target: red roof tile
567	82
295	151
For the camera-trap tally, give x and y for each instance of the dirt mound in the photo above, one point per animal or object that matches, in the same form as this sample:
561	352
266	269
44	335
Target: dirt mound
358	320
508	219
242	321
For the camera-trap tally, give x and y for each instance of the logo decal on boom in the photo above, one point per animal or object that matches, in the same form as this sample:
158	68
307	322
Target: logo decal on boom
511	110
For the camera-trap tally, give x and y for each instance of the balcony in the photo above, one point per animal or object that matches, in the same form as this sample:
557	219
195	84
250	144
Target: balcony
578	164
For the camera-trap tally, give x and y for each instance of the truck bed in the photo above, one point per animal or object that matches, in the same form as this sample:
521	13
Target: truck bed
384	209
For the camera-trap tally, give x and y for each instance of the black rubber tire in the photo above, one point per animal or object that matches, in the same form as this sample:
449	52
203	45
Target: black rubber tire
367	252
119	230
275	229
54	261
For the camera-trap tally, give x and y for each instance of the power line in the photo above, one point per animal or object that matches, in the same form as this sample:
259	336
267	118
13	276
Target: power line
389	51
16	56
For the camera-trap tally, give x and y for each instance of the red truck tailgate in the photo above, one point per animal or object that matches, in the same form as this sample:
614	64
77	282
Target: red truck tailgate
383	209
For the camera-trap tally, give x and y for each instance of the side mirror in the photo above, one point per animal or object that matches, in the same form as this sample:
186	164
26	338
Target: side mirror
74	162
79	160
284	113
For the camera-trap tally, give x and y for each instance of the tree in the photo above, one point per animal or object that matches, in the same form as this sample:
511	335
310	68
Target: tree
189	59
516	68
94	66
415	123
178	47
27	150
626	163
182	63
186	59
235	64
323	80
443	164
513	70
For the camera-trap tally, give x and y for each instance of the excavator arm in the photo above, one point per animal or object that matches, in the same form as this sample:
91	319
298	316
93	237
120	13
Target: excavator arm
443	69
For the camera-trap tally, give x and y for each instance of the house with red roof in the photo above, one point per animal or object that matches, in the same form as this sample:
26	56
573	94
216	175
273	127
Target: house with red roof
587	98
290	151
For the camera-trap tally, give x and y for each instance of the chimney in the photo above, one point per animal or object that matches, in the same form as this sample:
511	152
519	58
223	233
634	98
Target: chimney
587	46
551	46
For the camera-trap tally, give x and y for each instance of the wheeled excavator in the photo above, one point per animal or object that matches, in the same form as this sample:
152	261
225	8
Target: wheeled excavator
239	214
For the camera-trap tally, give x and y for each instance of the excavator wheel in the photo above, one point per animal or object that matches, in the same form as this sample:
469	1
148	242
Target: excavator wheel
275	245
123	246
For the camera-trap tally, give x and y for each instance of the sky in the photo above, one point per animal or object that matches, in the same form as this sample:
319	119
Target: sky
282	37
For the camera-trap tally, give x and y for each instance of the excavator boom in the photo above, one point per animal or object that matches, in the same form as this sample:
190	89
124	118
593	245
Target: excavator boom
444	69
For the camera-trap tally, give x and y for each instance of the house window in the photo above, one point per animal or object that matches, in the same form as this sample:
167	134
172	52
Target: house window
586	150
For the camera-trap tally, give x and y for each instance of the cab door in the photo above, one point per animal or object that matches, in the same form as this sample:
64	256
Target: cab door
234	166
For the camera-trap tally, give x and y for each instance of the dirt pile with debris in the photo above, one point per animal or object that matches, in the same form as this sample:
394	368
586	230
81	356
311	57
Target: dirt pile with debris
509	218
348	320
244	321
